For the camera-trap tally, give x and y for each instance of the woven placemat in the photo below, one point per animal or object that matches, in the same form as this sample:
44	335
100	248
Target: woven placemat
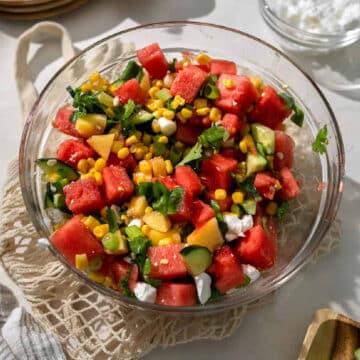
88	324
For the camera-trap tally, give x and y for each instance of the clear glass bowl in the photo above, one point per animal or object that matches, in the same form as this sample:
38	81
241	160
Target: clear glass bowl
311	214
296	39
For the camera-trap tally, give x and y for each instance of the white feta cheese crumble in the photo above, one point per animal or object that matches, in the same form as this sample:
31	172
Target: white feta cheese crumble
167	127
116	101
251	272
137	222
237	227
203	287
145	292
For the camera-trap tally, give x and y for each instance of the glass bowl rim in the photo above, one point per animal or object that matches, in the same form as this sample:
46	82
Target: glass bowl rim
287	274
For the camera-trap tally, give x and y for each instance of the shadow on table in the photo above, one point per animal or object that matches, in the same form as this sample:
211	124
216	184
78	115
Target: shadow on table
100	16
338	70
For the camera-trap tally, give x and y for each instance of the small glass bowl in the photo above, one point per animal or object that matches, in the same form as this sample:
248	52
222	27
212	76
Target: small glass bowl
295	39
321	176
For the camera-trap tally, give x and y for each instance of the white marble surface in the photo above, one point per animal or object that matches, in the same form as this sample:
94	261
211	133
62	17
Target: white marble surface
276	330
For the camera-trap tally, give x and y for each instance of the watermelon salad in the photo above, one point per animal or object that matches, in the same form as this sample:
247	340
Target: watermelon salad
172	178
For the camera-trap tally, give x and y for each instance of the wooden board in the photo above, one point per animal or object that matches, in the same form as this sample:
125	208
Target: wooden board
34	8
74	4
330	336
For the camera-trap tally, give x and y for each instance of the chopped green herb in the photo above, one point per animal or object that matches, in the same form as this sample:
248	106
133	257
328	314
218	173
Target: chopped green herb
246	282
213	137
208	85
175	155
153	282
321	140
124	284
298	116
172	64
132	70
147	267
112	220
195	153
161	194
215	294
282	209
176	198
219	216
145	189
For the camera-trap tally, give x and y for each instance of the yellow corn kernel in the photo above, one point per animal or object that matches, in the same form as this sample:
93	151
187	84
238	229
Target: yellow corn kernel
168	114
165	241
151	149
237	197
138	135
140	152
153	90
138	178
113	87
96	276
98	178
278	185
100	230
86	87
249	141
179	145
203	59
86	176
123	153
159	167
186	113
148	156
271	208
52	177
158	83
146	139
163	139
203	111
116	146
145	167
220	194
215	114
83	166
174	104
200	103
181	118
131	140
133	148
243	146
90	161
158	113
154	104
90	222
108	282
155	126
100	164
257	82
148	210
115	130
124	218
103	212
95	76
228	83
176	238
145	229
81	262
180	100
169	166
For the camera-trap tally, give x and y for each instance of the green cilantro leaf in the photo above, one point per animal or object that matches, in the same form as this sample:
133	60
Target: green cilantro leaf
213	136
219	216
111	218
176	198
124	284
215	294
147	267
132	70
290	103
172	64
153	282
298	115
195	153
321	140
282	209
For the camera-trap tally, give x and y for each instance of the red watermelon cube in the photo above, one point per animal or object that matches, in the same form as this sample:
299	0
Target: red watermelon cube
117	185
186	177
188	83
219	67
168	181
226	270
233	124
176	294
74	238
187	133
224	205
83	196
129	163
201	213
215	172
238	98
62	121
258	248
120	269
153	60
265	185
284	151
270	110
184	213
72	151
166	262
289	186
131	90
